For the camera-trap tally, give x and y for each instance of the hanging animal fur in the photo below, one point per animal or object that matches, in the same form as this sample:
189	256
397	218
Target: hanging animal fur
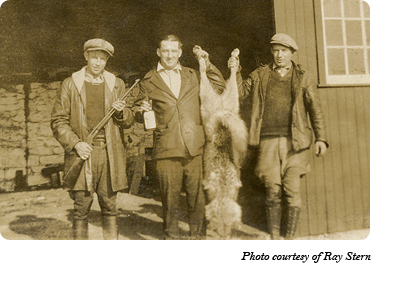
225	146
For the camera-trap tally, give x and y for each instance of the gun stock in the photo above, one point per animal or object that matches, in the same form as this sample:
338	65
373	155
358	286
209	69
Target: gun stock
71	176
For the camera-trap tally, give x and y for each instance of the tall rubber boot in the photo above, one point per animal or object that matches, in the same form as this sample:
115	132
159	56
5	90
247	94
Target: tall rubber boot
291	222
274	216
110	228
80	229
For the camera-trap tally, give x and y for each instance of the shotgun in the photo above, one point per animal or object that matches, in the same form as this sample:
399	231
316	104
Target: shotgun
70	178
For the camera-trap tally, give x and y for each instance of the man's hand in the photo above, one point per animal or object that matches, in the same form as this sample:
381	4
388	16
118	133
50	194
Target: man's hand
233	62
144	107
83	150
118	107
320	148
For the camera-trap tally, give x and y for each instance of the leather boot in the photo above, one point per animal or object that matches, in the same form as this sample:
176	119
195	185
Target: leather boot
80	229
291	222
110	228
274	216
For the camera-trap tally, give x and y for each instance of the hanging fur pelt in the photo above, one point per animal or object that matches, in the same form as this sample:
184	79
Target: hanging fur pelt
226	144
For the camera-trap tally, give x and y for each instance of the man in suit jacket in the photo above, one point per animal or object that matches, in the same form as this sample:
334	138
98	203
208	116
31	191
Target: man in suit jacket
179	136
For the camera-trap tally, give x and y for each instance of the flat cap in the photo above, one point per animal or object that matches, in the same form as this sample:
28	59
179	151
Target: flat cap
285	40
99	44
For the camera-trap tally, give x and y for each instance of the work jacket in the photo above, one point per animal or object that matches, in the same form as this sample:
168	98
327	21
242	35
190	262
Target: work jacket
304	103
69	124
179	131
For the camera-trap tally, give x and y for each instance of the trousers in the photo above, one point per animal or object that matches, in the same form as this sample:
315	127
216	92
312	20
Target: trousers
107	198
279	167
177	175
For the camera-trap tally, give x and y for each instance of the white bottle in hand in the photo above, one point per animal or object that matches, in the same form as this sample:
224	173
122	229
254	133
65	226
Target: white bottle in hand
149	119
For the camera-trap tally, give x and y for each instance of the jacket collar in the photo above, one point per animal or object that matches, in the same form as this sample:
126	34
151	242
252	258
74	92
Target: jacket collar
154	77
295	66
160	67
264	76
79	77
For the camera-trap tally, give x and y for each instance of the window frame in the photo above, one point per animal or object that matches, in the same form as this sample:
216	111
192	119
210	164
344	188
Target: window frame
325	80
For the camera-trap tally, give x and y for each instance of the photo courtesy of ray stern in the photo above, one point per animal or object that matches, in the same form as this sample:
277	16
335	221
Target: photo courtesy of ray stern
322	256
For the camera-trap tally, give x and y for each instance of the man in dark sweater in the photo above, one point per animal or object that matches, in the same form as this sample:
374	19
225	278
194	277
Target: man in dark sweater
82	102
282	96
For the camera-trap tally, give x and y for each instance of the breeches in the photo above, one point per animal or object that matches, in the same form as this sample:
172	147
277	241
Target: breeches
107	198
280	169
176	175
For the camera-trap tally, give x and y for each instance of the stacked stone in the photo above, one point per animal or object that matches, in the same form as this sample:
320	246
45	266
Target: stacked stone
12	135
44	149
137	139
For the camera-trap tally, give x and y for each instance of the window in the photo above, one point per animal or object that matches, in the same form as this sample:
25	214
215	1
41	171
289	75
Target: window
346	39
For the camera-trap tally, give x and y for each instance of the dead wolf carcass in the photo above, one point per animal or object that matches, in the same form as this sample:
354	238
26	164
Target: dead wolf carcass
226	144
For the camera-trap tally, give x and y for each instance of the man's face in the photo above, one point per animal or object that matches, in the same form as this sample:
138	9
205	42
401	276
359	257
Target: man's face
282	55
96	61
169	53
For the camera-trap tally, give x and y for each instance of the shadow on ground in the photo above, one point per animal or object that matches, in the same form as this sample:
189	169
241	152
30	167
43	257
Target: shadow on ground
39	228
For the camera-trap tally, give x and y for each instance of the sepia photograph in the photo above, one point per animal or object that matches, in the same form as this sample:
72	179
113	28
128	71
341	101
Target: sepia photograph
236	120
245	120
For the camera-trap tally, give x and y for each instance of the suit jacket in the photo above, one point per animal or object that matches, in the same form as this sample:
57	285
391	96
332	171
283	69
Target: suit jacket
179	131
69	124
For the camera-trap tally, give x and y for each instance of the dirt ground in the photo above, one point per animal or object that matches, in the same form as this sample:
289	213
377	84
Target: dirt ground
47	215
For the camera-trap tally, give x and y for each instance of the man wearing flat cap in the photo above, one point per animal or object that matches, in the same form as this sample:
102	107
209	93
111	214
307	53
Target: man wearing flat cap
282	97
82	102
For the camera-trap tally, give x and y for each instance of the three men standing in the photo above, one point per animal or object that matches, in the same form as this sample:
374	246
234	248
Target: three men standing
282	96
179	137
83	100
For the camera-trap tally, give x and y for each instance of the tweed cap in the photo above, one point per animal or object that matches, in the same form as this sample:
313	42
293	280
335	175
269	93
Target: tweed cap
285	40
99	44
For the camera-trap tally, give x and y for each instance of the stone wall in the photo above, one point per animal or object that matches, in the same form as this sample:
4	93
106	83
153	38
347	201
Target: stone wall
12	135
43	149
26	140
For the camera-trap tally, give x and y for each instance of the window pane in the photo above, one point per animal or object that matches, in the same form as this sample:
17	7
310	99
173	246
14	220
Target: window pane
367	25
331	8
354	33
366	9
336	61
352	8
334	32
356	61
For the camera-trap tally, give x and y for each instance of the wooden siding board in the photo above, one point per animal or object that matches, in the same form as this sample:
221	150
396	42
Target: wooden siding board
345	150
356	175
327	167
366	105
290	19
312	198
280	15
362	101
310	35
335	153
320	195
303	228
321	74
300	35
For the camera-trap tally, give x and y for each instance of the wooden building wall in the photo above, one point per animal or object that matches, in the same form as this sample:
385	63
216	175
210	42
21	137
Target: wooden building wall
336	193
